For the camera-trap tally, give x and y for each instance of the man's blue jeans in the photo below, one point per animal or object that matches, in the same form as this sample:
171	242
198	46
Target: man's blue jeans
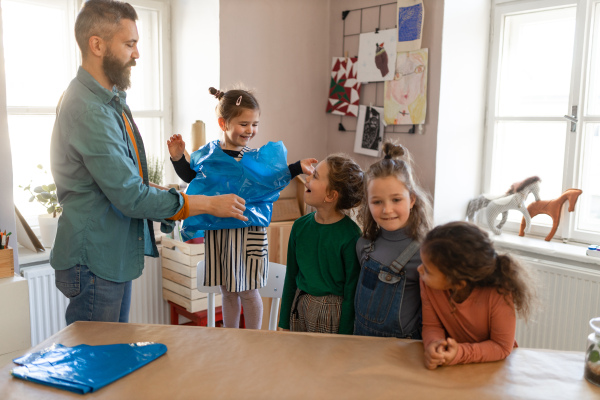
93	298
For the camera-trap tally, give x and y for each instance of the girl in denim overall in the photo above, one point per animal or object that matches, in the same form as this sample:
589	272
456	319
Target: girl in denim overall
395	217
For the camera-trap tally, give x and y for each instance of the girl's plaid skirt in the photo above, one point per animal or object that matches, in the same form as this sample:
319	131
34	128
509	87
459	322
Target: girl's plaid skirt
315	314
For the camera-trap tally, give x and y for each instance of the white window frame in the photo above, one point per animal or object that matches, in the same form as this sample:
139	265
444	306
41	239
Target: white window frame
572	171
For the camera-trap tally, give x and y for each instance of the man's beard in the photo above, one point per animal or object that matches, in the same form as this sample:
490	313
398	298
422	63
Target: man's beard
118	74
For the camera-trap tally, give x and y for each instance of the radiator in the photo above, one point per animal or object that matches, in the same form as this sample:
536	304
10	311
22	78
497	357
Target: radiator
47	304
569	297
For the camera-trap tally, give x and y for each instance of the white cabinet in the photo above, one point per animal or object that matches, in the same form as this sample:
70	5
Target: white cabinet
15	327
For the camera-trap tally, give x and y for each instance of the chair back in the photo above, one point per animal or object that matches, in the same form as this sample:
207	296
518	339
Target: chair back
210	290
274	289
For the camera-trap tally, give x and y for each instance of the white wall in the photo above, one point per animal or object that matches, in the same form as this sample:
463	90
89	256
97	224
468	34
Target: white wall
195	67
458	161
7	213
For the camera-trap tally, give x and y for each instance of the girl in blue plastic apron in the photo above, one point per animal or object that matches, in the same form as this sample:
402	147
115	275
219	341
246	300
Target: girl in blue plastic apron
395	217
236	253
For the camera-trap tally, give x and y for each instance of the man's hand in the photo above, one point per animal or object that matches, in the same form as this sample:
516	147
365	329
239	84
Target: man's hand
434	354
176	147
307	167
227	206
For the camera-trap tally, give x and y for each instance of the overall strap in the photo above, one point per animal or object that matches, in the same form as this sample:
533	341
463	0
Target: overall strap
367	249
404	257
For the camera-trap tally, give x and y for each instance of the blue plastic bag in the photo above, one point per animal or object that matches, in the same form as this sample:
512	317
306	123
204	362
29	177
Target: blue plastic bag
257	178
82	369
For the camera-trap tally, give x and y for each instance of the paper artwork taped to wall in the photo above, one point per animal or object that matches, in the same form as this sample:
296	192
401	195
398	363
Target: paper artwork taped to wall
405	97
376	56
344	89
410	24
369	131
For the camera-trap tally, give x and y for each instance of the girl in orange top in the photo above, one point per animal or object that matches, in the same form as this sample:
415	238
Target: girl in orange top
469	295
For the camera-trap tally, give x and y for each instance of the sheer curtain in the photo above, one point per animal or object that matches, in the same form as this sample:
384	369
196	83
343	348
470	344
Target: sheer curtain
7	209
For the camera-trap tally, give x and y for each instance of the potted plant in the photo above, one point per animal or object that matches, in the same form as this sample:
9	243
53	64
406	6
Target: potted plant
46	196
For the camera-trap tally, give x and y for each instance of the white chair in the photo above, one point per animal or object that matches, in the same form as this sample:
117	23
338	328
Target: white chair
210	291
274	289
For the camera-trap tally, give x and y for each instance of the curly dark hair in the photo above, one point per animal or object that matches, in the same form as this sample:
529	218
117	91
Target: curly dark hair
345	177
397	162
463	252
233	102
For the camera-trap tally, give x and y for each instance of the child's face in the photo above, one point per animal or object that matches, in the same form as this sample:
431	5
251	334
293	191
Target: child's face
317	185
389	202
241	129
431	275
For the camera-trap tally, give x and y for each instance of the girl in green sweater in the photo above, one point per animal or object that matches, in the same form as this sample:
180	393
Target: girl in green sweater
322	267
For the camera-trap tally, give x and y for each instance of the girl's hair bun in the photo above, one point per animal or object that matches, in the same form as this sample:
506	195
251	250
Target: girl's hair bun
215	92
391	150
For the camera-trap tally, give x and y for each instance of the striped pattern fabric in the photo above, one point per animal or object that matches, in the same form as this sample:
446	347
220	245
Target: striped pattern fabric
237	258
316	314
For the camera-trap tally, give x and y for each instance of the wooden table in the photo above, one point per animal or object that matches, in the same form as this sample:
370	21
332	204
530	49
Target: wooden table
219	363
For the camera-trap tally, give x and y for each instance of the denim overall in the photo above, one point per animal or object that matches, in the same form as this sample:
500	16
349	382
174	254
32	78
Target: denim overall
379	296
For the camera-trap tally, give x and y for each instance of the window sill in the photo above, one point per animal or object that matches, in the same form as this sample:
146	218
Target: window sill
537	247
28	258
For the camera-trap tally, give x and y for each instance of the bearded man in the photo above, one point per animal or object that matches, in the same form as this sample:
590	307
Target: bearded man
99	167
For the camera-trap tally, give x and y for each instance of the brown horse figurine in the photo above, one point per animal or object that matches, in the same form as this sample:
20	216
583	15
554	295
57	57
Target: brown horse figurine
552	208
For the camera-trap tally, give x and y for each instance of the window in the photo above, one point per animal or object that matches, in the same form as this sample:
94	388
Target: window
42	57
544	107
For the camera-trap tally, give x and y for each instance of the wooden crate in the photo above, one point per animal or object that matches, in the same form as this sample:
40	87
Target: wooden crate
7	265
179	273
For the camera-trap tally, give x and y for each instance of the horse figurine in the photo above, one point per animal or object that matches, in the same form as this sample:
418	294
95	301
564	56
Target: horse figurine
553	209
515	200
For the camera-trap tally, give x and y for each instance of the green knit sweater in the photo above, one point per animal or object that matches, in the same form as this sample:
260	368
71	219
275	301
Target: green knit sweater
322	261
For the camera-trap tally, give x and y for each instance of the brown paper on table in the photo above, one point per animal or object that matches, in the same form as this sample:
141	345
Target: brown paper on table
198	135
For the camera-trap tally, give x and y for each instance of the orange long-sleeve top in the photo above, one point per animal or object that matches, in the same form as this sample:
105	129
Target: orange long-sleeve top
483	325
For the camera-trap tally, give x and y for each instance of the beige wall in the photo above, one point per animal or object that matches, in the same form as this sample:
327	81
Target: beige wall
283	48
423	146
280	48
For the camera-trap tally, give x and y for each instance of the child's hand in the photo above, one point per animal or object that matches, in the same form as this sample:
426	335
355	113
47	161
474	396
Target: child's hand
282	330
450	351
176	147
434	354
307	167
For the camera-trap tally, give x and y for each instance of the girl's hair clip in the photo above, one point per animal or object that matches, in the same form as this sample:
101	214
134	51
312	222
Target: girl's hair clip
239	101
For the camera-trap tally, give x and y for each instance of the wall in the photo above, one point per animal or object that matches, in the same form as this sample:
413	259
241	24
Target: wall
7	213
195	67
462	96
280	49
421	146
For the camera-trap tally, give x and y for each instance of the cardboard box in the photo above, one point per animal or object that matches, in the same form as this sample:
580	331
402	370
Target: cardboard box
290	205
7	263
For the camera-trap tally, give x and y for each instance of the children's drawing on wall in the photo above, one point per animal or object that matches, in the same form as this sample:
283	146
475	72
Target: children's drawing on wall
376	56
405	97
344	90
369	131
410	24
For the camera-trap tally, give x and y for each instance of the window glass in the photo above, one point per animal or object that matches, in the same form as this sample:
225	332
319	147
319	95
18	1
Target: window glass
30	146
144	93
37	34
589	201
535	73
593	97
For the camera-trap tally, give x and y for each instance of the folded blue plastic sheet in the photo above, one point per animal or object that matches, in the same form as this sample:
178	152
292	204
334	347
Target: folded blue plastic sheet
82	369
257	178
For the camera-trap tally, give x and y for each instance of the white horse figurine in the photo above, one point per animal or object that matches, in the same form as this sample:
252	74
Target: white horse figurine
514	201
